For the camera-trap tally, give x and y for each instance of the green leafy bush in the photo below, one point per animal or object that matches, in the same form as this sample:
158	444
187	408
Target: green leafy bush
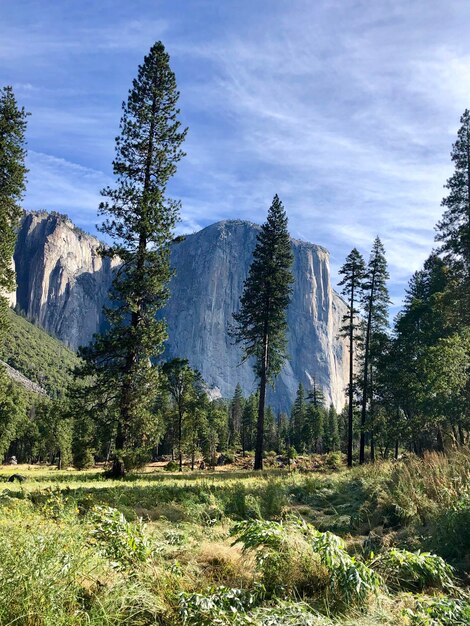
451	536
214	607
350	580
172	466
413	571
334	460
297	558
224	606
439	611
123	542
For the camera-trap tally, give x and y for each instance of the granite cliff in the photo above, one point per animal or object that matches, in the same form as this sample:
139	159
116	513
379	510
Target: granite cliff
63	283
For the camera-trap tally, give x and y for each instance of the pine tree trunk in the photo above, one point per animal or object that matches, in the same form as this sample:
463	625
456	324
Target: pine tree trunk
440	440
180	440
371	420
261	404
118	469
351	374
362	442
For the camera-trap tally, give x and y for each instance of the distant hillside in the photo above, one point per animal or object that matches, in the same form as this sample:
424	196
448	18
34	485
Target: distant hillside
38	356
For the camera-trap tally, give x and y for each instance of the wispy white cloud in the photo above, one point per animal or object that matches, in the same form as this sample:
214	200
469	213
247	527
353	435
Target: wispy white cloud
59	185
346	109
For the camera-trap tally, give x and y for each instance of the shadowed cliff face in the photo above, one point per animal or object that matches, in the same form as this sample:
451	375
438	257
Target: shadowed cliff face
63	284
62	280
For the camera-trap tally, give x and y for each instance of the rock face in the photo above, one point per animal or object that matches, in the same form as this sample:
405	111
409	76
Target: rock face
63	283
62	280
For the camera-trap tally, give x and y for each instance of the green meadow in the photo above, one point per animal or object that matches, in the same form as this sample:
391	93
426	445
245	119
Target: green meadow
382	544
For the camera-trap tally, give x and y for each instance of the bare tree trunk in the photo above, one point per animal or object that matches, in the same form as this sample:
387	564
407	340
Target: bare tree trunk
261	405
180	440
362	442
351	375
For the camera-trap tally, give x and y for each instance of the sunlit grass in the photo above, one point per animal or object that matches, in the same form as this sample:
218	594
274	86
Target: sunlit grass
55	568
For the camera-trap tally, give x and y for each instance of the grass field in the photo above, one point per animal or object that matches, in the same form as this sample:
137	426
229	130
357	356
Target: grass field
235	547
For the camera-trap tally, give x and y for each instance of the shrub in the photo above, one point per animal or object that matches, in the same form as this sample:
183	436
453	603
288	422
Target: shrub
351	581
123	542
451	536
419	488
224	606
229	457
439	611
274	500
333	460
172	466
213	607
296	558
413	571
242	504
83	457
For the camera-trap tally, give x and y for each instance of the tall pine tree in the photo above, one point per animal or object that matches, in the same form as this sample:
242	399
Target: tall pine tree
261	323
12	186
375	300
139	222
353	275
453	230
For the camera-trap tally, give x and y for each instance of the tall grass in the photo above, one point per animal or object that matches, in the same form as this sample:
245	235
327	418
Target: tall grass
73	550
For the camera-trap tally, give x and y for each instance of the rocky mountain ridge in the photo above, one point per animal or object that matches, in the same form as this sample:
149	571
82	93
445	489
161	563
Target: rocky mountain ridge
63	283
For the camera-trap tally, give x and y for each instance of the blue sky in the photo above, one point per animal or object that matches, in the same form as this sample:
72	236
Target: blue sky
345	108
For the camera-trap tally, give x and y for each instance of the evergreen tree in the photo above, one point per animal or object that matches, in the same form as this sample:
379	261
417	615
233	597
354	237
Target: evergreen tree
13	411
54	431
422	377
353	274
270	434
375	300
139	221
313	429
283	433
196	422
248	425
235	418
261	323
12	186
216	429
185	387
453	230
331	430
298	419
316	395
